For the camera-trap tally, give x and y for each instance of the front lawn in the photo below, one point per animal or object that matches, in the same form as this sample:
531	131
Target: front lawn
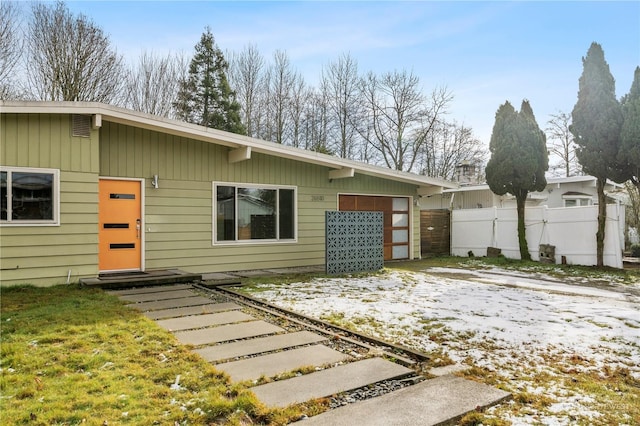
72	355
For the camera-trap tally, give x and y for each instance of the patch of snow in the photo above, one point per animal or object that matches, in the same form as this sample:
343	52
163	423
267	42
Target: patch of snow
501	322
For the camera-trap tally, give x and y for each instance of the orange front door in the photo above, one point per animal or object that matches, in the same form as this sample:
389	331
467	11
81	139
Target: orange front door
120	233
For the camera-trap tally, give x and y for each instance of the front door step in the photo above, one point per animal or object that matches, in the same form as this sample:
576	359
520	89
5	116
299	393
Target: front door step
432	402
258	345
328	382
281	362
223	333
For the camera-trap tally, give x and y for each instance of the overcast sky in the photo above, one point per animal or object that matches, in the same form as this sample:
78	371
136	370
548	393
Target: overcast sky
484	52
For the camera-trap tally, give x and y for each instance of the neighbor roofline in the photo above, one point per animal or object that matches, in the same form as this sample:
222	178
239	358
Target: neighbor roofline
179	128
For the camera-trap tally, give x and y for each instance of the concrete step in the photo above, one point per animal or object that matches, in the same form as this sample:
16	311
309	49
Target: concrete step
139	279
171	303
432	402
281	362
150	289
258	345
201	321
157	295
192	310
223	333
328	382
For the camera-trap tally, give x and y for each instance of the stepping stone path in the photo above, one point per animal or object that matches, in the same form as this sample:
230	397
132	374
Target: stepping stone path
247	348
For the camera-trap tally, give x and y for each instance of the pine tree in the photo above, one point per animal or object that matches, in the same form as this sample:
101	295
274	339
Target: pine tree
597	123
518	161
205	97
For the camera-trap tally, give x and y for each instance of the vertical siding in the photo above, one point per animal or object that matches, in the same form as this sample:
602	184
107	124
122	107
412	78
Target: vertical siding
179	215
43	255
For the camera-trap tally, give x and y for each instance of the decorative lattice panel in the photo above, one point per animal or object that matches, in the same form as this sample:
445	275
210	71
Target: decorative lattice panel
354	242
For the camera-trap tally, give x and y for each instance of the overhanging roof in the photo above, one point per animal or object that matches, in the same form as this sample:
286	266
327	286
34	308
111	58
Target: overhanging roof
339	168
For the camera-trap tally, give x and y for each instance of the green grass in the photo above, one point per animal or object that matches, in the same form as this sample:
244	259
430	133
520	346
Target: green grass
72	355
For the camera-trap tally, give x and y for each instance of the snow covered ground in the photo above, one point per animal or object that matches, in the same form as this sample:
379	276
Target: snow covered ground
516	326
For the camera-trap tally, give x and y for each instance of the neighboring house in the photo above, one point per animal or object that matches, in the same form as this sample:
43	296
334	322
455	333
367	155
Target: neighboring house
88	188
560	192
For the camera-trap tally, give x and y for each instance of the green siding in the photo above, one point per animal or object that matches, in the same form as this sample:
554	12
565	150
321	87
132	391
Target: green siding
43	255
179	214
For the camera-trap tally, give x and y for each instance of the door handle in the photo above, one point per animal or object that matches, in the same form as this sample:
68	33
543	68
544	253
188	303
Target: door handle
138	223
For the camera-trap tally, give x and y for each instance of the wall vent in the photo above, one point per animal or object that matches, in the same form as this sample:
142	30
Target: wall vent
81	125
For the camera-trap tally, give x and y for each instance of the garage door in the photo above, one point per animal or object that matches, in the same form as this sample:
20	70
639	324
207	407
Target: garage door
396	220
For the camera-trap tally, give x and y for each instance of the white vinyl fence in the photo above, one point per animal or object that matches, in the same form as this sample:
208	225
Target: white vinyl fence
572	230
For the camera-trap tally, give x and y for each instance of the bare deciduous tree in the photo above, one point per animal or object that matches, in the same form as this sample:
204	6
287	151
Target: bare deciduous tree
562	145
279	81
70	58
449	146
152	84
400	118
10	48
246	76
340	82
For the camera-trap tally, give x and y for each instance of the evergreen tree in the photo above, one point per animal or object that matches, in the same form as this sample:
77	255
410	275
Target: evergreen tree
518	160
205	97
597	122
630	133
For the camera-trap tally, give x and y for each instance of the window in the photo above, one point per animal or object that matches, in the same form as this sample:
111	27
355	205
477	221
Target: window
29	196
254	213
577	201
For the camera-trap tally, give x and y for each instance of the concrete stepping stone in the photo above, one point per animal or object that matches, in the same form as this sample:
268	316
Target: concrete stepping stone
328	382
150	289
192	310
281	362
258	345
157	295
171	303
429	403
223	333
201	321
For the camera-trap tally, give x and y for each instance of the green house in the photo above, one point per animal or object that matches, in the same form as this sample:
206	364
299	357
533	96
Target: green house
89	188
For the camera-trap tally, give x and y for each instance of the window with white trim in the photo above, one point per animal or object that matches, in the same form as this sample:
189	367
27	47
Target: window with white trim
29	196
577	201
245	213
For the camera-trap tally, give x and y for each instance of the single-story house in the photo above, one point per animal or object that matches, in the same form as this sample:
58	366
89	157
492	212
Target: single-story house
88	188
560	192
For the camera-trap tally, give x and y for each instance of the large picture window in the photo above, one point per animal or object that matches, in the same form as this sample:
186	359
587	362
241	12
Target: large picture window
252	212
29	196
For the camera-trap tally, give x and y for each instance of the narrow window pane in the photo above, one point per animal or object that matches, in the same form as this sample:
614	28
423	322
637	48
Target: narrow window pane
286	214
400	219
32	196
401	204
256	214
3	195
400	236
226	213
400	252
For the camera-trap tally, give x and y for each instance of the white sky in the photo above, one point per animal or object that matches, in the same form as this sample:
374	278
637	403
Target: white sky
484	52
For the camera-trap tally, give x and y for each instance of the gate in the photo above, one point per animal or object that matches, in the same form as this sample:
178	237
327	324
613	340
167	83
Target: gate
435	232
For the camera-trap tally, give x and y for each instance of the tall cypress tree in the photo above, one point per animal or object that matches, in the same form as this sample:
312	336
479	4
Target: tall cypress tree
205	97
597	122
518	161
630	132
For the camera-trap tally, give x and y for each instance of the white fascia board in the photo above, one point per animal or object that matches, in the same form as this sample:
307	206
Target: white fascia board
205	134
